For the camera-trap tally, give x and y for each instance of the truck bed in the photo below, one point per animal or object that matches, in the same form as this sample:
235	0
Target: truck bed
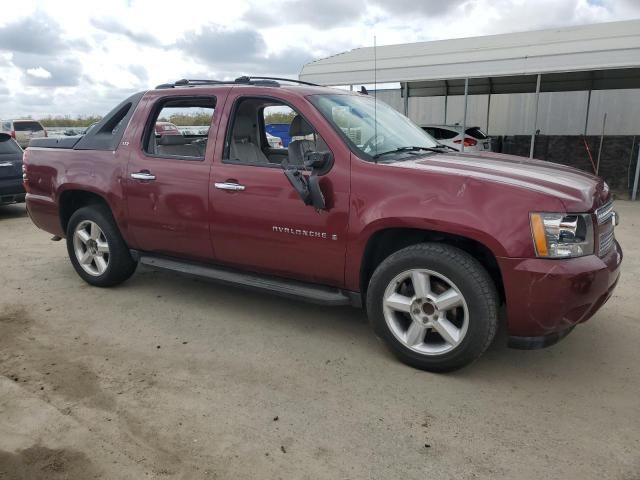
63	142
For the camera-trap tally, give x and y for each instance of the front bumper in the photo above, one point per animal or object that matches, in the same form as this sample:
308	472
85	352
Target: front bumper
534	343
11	190
547	298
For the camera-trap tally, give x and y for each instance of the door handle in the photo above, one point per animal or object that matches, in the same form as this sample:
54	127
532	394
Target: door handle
6	164
234	187
146	176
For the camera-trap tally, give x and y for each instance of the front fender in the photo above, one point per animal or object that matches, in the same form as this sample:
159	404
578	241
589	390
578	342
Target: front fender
492	214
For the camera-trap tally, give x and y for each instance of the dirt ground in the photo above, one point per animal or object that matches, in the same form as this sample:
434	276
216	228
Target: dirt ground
167	377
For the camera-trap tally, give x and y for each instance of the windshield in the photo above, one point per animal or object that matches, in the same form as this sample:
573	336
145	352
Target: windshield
372	128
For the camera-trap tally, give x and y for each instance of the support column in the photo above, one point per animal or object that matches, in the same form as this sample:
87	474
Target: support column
586	117
535	117
446	97
635	180
464	117
604	124
488	112
406	99
489	102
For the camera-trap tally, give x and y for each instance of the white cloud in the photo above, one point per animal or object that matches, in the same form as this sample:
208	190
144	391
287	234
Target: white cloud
39	72
85	56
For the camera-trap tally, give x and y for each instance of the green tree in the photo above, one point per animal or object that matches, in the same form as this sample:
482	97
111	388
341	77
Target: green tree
279	117
67	121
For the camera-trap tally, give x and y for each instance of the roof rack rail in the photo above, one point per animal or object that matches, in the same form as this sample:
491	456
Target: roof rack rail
185	82
249	79
244	80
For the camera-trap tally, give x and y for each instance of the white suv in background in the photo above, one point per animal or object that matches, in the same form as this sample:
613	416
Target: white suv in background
451	136
23	131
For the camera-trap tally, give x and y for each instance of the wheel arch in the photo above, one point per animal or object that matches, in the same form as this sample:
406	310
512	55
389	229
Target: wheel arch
386	241
70	200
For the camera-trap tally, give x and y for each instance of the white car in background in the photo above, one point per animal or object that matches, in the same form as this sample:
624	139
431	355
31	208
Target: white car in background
451	135
22	131
274	142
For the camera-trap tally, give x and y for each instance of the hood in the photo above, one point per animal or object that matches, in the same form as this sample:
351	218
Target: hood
578	191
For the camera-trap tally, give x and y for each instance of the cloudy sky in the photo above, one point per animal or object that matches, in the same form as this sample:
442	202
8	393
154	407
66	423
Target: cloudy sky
83	57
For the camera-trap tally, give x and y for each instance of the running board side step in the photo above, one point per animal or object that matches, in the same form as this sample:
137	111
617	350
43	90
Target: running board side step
278	286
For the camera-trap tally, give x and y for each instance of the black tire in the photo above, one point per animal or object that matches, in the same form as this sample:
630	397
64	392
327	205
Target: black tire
120	264
472	281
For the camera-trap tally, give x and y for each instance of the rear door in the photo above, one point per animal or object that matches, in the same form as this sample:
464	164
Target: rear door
258	221
167	185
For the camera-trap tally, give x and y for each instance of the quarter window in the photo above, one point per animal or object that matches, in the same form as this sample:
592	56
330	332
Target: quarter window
446	134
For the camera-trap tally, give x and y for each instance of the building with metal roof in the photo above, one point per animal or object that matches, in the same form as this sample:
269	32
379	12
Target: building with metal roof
499	79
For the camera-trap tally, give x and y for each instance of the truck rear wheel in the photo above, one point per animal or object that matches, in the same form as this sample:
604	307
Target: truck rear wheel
434	305
96	249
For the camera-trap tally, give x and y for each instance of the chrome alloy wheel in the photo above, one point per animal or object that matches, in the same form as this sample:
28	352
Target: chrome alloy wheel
426	311
91	248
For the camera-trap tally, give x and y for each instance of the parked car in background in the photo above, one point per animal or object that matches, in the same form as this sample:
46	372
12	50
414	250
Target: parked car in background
72	132
166	128
451	136
274	142
22	131
11	186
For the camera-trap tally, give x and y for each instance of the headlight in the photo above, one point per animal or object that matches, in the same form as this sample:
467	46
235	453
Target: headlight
561	235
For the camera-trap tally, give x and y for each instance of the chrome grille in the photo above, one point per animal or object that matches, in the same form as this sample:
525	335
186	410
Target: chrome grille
604	213
606	243
606	234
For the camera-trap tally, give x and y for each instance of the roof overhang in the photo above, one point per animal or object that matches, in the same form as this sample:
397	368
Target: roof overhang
550	82
602	56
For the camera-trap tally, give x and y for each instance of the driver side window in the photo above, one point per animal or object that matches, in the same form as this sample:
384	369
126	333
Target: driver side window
269	133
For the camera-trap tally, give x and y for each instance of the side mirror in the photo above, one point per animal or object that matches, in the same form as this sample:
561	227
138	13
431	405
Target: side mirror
308	186
319	162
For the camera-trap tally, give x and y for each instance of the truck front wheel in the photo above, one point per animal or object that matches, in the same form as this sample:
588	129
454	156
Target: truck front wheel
96	249
434	305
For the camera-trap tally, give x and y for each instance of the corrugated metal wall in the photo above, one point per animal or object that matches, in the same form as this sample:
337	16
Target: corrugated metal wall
560	113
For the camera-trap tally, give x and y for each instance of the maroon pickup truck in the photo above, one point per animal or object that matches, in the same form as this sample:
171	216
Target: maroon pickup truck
362	208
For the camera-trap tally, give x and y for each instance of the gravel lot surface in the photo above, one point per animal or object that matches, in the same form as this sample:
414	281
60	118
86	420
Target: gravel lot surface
168	377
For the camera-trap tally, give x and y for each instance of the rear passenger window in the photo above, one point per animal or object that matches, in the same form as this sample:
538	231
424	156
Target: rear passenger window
27	126
446	134
179	128
476	132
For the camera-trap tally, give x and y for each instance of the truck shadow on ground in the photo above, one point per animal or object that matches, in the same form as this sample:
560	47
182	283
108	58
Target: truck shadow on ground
340	325
16	210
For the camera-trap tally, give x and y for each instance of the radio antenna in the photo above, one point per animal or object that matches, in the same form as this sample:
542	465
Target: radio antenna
375	95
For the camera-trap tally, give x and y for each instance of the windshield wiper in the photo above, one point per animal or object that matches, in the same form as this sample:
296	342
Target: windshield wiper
408	149
442	145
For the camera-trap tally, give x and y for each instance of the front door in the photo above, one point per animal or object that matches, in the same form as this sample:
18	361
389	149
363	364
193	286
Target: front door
167	185
258	221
